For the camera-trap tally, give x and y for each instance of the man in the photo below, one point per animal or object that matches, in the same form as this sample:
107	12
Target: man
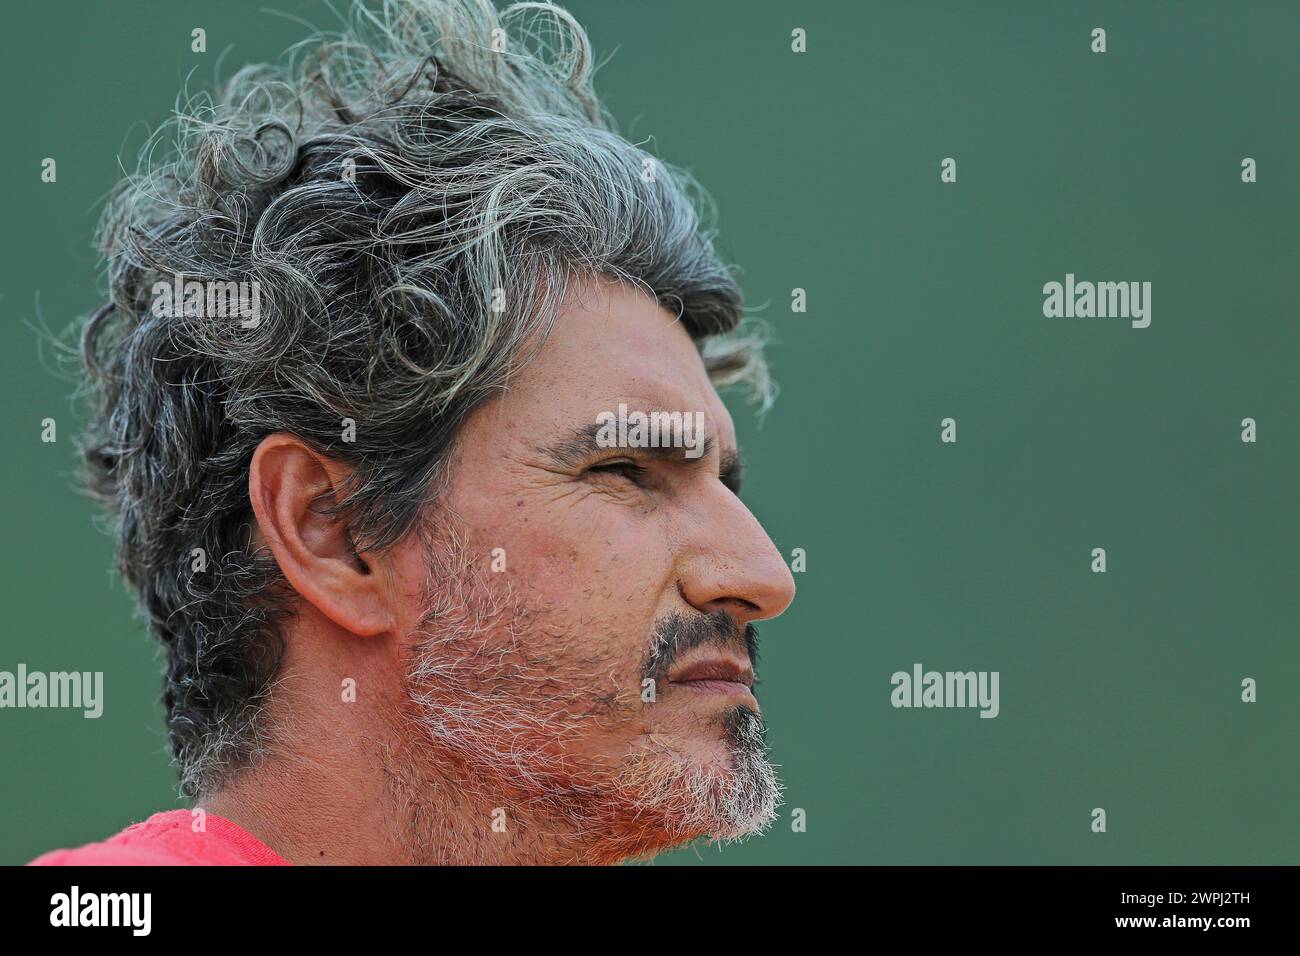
439	528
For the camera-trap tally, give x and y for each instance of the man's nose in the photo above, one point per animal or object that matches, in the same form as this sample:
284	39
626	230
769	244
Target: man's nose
732	565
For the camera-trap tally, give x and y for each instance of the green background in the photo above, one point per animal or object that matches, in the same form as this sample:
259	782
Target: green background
1118	690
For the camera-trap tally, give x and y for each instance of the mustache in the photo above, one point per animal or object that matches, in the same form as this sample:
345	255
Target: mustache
678	633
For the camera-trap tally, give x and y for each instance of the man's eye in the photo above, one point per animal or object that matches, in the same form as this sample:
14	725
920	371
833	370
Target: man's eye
619	469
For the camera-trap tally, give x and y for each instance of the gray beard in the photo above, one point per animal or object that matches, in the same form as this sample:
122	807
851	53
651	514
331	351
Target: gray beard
506	744
501	717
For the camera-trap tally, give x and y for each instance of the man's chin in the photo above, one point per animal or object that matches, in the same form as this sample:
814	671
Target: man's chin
709	803
722	789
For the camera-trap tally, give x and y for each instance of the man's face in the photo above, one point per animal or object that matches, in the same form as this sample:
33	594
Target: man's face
582	639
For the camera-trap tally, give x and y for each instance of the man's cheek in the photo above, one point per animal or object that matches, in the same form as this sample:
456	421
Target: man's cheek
575	568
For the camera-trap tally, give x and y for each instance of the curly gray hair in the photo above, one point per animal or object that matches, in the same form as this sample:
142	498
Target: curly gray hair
412	199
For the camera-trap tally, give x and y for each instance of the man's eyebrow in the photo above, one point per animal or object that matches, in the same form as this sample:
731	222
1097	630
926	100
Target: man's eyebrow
580	445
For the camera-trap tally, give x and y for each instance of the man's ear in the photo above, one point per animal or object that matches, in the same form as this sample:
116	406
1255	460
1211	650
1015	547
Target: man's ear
291	485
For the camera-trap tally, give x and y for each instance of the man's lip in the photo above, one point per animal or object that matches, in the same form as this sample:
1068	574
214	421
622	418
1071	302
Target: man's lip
724	670
710	686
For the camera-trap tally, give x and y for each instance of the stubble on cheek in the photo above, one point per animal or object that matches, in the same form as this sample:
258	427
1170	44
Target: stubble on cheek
544	708
512	690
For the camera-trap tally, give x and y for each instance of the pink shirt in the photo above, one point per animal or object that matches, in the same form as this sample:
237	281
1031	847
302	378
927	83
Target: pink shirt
169	839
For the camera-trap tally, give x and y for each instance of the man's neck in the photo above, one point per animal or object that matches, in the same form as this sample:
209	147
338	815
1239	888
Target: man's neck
379	805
